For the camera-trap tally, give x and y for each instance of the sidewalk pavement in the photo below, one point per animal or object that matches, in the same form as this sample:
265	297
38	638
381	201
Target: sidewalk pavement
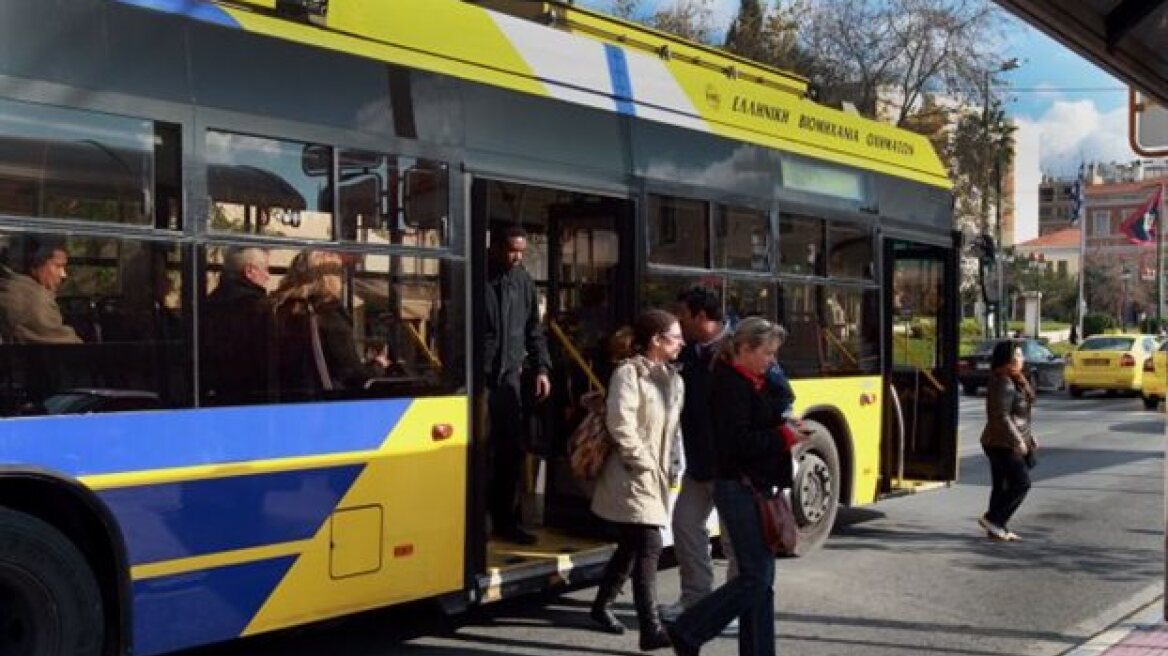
1144	633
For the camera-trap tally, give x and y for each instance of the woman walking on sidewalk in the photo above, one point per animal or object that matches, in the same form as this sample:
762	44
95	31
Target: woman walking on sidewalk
751	453
645	397
1007	439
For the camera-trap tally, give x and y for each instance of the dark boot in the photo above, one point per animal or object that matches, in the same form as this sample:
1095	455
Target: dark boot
653	635
601	613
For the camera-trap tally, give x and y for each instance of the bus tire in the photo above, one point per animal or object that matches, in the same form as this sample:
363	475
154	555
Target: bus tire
816	489
52	606
1075	391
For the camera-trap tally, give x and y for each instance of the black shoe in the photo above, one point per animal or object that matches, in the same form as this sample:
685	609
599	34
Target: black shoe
606	620
517	535
679	647
653	637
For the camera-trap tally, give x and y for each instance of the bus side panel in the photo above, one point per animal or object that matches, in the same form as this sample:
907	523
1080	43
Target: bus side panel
241	520
858	400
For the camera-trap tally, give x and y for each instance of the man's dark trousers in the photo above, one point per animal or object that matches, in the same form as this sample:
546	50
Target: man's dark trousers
505	447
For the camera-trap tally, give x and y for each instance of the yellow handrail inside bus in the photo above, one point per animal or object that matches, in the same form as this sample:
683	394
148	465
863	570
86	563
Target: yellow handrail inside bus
575	355
417	337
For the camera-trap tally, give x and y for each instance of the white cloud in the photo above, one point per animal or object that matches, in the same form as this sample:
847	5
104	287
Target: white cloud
1072	131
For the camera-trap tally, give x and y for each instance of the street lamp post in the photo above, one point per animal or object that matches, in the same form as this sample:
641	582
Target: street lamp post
996	148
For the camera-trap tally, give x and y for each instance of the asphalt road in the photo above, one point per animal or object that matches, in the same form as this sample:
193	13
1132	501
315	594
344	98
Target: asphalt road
911	575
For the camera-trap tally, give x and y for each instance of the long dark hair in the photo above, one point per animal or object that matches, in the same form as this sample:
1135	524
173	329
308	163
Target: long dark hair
1002	362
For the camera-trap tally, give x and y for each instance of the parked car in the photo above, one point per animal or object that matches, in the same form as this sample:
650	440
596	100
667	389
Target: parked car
1043	368
1109	362
1155	378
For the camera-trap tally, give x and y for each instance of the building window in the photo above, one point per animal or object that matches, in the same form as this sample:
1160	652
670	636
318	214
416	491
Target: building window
1101	223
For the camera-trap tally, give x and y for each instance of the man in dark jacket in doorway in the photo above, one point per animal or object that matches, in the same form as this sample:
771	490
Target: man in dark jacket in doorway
513	343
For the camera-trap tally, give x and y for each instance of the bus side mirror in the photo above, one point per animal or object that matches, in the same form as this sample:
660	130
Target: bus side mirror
425	197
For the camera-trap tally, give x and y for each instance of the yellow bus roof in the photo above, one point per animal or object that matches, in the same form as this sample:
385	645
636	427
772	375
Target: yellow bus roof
602	62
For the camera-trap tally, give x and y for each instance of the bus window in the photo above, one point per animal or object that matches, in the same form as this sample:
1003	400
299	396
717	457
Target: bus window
269	187
74	164
388	199
742	239
749	298
800	245
380	326
111	334
851	330
801	355
660	289
851	251
679	232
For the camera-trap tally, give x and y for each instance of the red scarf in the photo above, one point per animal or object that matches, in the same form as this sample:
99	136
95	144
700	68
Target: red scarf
755	379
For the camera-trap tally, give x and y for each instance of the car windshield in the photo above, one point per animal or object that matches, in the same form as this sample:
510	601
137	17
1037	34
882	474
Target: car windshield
986	347
1108	344
68	403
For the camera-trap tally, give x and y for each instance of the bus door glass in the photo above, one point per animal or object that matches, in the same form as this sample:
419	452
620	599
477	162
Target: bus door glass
920	430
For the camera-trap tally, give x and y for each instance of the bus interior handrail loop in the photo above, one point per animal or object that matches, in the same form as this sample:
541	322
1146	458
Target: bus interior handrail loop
574	355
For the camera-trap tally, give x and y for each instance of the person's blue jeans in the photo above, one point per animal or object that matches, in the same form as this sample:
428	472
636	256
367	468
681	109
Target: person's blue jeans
750	596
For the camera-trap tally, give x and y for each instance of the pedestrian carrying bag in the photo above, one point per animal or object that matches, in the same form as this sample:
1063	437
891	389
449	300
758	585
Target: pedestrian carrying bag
590	444
779	530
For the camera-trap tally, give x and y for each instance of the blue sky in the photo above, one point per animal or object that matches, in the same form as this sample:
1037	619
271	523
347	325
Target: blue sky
1079	111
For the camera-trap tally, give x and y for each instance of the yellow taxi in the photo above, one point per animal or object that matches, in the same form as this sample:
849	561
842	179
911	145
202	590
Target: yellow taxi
1109	362
1155	378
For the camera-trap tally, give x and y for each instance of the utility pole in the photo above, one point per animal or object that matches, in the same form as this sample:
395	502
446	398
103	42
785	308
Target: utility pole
995	149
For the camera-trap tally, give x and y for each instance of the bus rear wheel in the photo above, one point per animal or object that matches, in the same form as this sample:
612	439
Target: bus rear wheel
815	493
49	596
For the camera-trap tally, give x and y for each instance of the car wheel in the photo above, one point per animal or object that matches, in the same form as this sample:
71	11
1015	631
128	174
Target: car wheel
1151	402
1075	391
970	389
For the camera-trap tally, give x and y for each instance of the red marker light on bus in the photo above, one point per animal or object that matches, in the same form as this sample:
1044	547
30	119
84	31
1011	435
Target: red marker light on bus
439	432
403	550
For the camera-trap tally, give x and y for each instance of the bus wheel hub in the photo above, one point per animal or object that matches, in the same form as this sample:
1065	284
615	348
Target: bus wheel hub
813	487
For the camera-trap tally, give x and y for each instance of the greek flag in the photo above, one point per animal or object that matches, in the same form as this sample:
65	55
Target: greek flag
1077	195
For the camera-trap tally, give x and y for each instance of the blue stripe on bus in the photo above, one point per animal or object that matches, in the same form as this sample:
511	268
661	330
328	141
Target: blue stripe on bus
622	84
196	9
184	610
88	445
195	518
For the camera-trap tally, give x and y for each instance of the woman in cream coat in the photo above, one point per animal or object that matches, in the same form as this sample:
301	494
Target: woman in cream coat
632	491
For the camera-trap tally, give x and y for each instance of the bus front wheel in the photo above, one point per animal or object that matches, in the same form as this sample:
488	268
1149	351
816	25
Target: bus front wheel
50	597
815	493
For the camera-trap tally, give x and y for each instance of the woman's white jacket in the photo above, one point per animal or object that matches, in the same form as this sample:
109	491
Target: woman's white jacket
644	406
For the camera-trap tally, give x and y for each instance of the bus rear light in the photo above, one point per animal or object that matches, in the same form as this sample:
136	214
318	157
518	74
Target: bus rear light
439	432
1128	360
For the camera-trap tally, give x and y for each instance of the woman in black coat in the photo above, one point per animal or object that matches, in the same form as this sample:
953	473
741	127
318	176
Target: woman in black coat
309	296
751	455
1007	439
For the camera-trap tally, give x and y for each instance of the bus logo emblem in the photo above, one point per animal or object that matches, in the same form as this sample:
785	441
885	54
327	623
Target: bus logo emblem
713	97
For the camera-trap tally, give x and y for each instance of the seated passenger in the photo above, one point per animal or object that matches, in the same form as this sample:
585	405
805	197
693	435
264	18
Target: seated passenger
236	333
29	313
316	349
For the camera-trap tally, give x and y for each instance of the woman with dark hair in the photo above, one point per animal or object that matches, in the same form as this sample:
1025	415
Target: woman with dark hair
753	457
1007	439
632	490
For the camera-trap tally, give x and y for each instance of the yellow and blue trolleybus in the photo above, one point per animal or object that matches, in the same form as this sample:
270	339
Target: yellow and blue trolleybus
147	506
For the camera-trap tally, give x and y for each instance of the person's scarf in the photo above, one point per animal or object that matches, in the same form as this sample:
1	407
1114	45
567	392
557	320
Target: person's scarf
1013	370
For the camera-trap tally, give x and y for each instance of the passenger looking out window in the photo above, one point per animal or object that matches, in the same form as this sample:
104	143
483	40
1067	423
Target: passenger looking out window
29	313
